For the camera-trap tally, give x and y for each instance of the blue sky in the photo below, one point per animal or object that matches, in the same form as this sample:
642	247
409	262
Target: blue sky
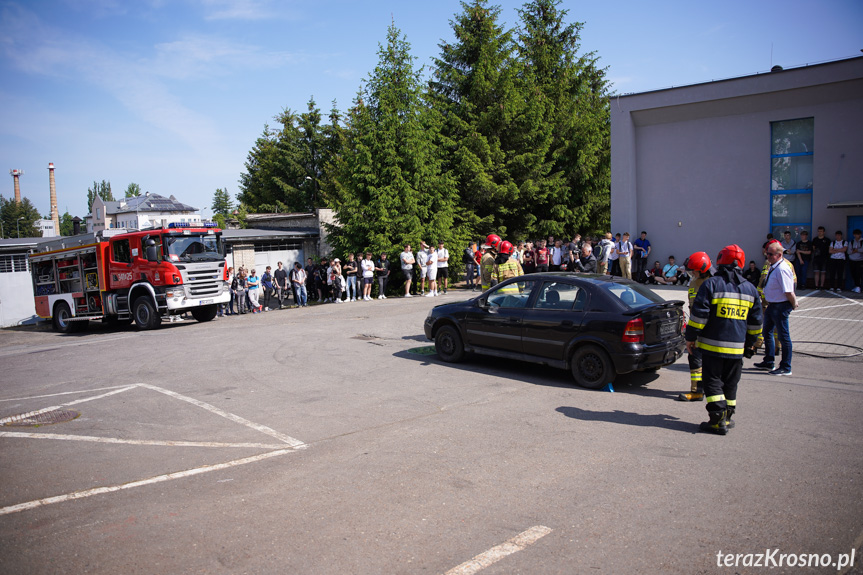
171	94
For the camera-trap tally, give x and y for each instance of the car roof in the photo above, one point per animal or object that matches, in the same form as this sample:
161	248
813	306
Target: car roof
596	279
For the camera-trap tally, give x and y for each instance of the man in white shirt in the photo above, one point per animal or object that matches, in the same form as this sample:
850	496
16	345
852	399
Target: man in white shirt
431	271
443	265
624	252
408	261
781	301
422	260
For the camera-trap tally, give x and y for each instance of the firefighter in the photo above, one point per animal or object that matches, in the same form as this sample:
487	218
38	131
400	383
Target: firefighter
724	322
507	267
698	266
487	267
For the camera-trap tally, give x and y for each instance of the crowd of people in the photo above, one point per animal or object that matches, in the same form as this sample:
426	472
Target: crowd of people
426	272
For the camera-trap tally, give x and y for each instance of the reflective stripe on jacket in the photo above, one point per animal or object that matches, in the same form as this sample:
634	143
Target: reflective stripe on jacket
725	315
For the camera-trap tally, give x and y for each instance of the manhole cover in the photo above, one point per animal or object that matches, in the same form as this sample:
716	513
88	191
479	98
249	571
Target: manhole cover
43	418
427	350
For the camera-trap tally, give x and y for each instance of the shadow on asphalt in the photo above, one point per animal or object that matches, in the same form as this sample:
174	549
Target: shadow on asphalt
629	418
634	383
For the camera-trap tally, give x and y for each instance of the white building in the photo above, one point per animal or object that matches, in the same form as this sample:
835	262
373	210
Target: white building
47	228
703	166
139	212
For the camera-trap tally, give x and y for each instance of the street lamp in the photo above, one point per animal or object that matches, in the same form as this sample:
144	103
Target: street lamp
18	225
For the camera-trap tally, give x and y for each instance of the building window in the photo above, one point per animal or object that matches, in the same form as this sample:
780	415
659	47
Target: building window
13	263
792	157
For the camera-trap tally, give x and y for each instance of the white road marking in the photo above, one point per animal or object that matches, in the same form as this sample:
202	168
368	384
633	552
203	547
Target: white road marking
854	301
140	483
295	443
501	551
96	439
826	306
64	393
795	316
29	414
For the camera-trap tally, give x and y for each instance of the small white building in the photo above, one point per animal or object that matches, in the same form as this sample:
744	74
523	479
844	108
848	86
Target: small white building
139	212
46	227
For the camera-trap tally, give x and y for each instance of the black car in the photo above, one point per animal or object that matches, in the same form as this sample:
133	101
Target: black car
597	326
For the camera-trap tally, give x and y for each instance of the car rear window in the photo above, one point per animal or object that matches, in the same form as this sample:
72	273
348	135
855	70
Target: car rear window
633	295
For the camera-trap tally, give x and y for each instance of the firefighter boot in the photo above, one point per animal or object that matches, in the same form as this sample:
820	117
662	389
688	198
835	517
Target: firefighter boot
729	412
716	424
695	392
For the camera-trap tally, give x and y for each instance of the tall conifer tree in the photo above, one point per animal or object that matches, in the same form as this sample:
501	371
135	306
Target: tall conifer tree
493	132
388	187
578	190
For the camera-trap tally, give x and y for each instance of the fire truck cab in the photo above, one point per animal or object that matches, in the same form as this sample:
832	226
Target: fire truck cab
120	276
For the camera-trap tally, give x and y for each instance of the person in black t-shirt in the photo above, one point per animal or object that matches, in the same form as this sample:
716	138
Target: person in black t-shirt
804	256
820	255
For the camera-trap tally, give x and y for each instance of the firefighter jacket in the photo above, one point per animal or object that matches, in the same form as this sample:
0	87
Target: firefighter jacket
694	285
487	270
725	316
509	269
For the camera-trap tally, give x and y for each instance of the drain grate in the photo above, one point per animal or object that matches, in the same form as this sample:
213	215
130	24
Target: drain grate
34	419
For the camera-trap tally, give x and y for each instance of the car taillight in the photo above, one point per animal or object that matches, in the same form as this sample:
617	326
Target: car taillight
634	331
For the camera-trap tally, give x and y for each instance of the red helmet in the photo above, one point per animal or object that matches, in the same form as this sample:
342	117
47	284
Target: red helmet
699	262
493	240
732	255
505	248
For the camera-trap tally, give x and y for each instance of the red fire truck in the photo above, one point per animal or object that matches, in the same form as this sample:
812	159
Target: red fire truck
120	276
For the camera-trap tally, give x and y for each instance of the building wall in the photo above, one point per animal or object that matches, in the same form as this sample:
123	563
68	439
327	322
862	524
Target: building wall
16	298
691	166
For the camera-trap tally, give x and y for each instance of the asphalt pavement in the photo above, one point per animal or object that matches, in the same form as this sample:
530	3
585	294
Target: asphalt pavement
331	439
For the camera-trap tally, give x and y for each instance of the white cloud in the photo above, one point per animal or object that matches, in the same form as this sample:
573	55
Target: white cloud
238	9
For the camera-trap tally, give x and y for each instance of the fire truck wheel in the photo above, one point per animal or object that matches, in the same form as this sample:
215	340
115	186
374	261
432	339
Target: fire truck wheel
62	318
205	313
145	314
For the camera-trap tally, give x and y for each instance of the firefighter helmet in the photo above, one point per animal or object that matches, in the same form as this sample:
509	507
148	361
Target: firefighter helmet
732	255
505	248
699	262
493	240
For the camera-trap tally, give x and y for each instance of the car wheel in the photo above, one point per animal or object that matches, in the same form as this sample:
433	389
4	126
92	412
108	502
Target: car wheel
62	318
591	367
448	345
145	313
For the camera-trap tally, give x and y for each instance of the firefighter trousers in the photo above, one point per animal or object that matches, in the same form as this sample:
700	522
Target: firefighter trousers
720	378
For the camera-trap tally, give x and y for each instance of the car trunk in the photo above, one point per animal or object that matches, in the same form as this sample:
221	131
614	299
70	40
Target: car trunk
662	322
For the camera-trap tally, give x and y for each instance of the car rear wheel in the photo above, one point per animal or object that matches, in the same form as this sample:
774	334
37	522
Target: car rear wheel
591	367
448	344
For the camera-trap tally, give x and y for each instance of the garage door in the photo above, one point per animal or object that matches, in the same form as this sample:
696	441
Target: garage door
272	252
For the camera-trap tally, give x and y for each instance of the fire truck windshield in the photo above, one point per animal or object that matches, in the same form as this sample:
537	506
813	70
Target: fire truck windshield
193	247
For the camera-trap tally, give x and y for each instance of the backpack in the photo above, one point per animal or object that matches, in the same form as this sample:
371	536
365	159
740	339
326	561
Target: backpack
467	256
603	251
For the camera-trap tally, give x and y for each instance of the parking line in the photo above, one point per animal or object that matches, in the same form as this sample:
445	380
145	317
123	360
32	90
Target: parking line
501	551
294	443
168	443
158	479
63	393
29	414
825	318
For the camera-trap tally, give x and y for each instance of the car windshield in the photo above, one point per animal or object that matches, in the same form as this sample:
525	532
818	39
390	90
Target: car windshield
193	247
633	295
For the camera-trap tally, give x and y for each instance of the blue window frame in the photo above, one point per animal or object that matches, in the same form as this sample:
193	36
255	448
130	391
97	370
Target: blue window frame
792	160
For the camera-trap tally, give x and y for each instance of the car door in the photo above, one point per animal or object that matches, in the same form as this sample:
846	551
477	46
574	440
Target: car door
554	319
496	321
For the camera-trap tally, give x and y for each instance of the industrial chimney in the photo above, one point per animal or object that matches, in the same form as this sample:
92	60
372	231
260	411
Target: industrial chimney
15	175
55	214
